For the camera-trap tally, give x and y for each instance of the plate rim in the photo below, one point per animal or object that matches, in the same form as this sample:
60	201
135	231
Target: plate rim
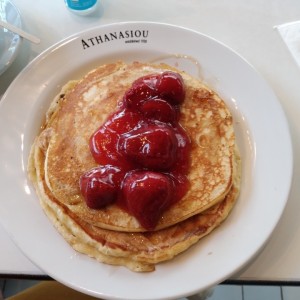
68	39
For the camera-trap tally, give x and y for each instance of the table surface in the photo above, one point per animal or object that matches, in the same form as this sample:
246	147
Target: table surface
249	28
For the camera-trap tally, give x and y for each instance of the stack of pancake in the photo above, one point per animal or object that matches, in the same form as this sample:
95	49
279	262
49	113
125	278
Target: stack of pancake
60	155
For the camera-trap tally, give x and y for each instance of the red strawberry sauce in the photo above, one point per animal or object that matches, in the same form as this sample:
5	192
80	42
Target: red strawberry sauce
142	151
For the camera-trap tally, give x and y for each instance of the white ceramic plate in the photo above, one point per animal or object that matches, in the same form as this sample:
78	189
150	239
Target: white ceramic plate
262	135
9	41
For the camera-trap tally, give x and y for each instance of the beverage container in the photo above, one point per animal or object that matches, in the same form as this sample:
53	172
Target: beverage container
81	7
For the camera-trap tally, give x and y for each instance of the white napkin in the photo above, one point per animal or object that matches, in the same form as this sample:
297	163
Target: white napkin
290	33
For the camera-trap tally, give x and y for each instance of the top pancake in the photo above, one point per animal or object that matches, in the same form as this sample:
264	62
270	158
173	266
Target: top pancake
84	105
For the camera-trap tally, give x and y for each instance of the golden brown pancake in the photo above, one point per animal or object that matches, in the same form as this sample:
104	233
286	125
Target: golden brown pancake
84	105
139	251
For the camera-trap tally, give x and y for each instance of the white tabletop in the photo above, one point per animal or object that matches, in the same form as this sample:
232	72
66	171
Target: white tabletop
249	28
